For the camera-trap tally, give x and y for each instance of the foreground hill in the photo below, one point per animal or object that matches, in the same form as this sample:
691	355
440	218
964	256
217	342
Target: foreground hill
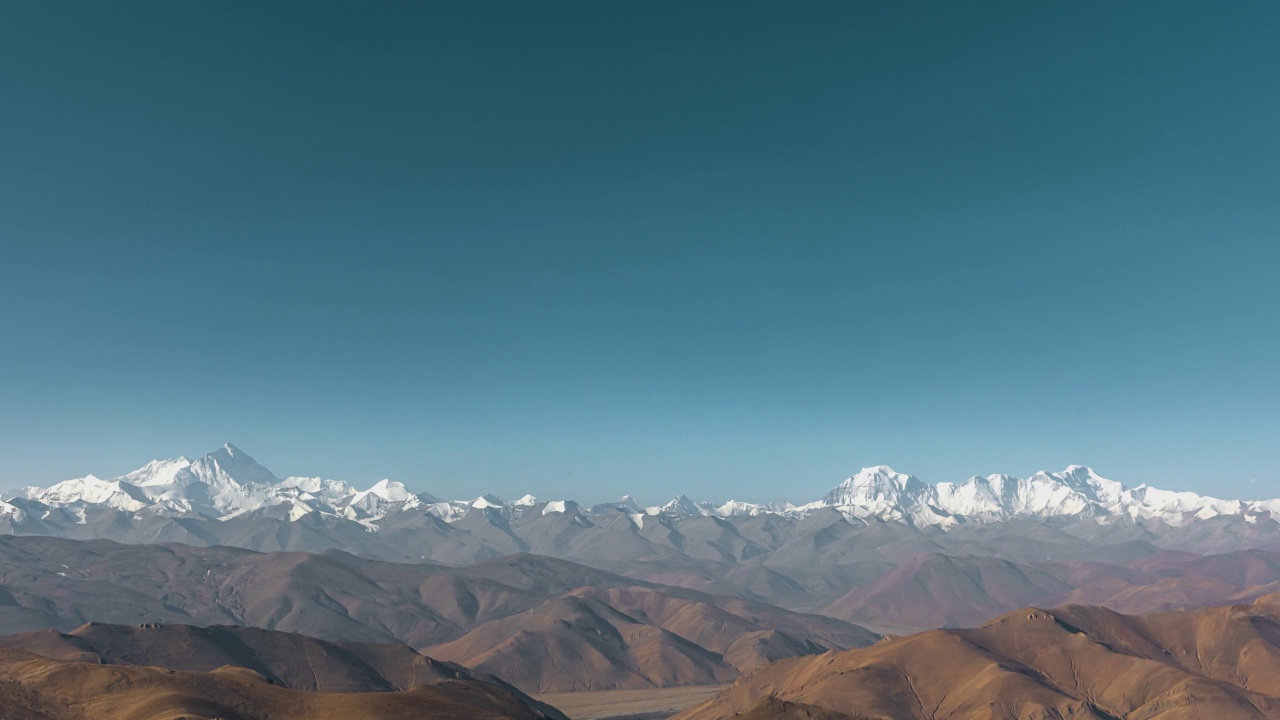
294	661
33	687
1070	662
496	615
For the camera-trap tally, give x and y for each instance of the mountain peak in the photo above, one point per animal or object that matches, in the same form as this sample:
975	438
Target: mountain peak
879	476
230	464
390	490
1081	472
488	500
230	452
681	505
228	482
878	470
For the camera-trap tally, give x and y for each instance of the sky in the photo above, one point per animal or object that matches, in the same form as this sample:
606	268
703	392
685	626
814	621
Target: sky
729	249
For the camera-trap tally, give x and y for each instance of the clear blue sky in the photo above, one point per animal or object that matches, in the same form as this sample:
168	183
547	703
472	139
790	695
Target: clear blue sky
593	248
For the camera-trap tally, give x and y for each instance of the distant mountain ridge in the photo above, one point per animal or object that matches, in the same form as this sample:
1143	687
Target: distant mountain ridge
227	483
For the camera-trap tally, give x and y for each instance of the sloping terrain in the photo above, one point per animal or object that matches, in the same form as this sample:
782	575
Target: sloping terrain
938	590
294	661
608	639
507	610
580	643
291	661
942	590
33	687
1070	662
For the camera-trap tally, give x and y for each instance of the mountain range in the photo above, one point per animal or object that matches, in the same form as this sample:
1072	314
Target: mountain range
227	483
557	596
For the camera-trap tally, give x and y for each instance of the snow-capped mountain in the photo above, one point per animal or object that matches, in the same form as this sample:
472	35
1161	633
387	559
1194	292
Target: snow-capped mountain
881	492
221	484
228	484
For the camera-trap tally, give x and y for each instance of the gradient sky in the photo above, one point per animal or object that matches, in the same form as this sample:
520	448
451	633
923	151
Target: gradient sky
582	249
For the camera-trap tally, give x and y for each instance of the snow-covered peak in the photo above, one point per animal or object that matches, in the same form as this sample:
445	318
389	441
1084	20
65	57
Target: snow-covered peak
157	472
737	507
229	465
680	505
11	512
228	483
319	487
1086	480
389	490
90	491
488	501
879	491
880	480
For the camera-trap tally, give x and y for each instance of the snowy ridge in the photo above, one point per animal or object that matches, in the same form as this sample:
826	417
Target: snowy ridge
227	484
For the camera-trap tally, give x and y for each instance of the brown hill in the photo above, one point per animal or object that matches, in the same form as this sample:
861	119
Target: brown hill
1071	662
609	639
296	662
937	590
669	635
39	688
1174	581
578	643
